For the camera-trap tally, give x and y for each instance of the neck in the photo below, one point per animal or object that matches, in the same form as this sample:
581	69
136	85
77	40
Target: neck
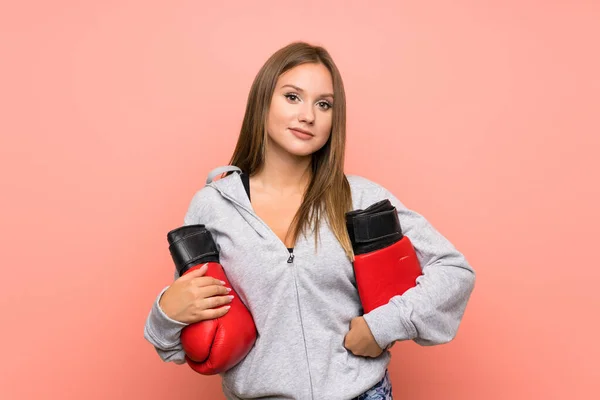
284	174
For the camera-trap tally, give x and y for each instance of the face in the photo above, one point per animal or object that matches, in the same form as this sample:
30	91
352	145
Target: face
300	115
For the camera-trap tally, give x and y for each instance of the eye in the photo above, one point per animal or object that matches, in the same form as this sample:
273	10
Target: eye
325	105
291	96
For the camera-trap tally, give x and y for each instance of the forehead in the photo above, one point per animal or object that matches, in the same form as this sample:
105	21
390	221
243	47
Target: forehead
312	78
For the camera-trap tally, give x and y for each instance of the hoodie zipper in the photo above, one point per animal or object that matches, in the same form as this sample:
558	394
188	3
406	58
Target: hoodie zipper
290	260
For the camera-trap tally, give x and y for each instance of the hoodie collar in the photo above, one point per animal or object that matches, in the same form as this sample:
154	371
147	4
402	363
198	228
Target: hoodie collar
231	188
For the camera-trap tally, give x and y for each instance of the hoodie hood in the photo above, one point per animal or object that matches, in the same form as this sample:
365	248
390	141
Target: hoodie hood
232	189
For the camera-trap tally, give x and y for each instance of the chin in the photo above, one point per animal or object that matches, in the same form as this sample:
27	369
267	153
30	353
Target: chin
301	149
300	152
298	148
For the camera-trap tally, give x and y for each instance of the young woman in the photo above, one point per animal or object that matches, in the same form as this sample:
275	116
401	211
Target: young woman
278	218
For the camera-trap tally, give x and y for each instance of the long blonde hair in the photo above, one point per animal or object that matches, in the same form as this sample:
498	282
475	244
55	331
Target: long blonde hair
328	192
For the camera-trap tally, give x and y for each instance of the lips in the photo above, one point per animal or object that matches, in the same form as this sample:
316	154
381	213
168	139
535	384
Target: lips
301	131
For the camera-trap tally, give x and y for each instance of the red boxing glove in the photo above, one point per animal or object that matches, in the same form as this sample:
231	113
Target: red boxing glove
385	262
215	345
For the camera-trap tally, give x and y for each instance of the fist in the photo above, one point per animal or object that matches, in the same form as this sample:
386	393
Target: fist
194	297
360	341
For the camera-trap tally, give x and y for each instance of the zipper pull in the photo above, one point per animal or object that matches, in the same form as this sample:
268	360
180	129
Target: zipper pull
291	259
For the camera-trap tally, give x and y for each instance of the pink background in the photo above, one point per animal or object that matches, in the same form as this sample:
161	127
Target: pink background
481	115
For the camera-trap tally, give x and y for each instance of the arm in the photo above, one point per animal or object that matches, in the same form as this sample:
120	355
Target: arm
430	312
160	330
164	333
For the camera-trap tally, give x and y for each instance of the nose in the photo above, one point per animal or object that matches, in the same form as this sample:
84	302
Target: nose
306	113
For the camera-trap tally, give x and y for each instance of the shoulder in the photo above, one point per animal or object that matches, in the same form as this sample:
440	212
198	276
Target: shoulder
360	183
205	200
204	196
365	191
202	200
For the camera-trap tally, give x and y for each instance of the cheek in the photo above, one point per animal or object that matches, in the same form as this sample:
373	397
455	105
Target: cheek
325	125
279	116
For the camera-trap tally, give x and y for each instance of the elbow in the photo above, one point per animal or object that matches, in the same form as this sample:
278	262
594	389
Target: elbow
442	323
469	283
438	337
441	336
464	285
176	357
173	353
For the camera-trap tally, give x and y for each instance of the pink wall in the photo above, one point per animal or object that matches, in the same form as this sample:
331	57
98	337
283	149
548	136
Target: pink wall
482	115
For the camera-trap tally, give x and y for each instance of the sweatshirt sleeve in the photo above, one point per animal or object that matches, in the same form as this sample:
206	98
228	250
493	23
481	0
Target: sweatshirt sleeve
430	312
160	330
164	333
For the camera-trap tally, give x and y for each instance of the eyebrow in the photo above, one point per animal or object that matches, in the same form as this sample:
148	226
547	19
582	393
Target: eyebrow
302	91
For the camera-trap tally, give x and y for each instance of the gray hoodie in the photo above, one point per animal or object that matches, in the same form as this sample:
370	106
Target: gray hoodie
302	309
